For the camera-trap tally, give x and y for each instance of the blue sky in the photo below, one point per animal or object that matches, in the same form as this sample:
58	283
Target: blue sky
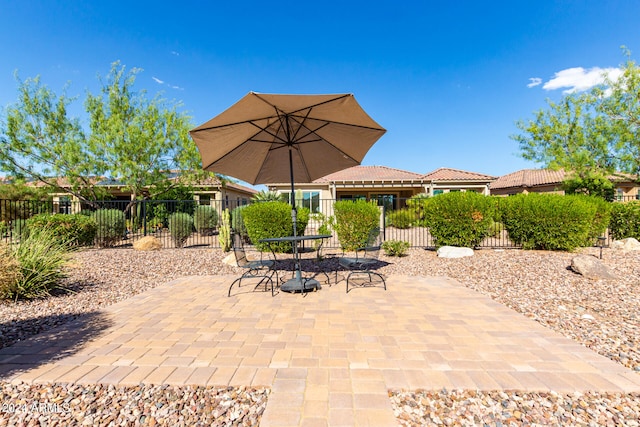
447	80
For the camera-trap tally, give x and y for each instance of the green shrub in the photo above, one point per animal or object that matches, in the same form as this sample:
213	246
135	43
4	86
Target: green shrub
395	247
237	222
324	227
205	219
180	227
155	223
459	218
495	228
323	220
418	204
158	214
41	258
4	228
354	221
403	218
601	220
273	219
552	221
111	226
625	220
74	229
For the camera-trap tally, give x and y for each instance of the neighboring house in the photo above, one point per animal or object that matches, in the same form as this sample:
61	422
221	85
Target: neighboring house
222	195
550	181
445	180
390	186
210	191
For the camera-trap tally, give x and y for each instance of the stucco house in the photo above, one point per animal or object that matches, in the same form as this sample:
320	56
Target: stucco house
550	181
390	186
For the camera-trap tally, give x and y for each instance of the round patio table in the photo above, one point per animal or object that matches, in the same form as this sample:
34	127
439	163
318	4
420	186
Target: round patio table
298	283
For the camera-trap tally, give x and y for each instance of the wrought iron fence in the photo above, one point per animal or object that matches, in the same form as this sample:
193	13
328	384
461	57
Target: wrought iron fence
150	218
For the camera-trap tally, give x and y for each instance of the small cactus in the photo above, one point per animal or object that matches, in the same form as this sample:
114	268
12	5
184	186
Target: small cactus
224	236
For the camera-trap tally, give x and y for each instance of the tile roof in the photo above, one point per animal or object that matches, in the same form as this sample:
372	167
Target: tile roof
529	178
236	186
449	174
623	177
537	177
370	173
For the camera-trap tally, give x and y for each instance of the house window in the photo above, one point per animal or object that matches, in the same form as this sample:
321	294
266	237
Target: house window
310	200
436	192
389	201
205	199
65	205
352	197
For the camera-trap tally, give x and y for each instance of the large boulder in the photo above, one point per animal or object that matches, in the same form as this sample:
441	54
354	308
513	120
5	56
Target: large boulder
628	244
148	243
591	267
230	260
454	252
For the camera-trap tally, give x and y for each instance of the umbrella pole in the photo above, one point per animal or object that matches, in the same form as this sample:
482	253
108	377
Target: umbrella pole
294	220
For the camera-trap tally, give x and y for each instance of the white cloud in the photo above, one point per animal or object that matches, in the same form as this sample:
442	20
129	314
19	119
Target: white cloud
578	79
162	82
534	81
173	52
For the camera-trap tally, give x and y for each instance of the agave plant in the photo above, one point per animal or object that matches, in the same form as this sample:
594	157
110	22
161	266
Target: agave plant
269	196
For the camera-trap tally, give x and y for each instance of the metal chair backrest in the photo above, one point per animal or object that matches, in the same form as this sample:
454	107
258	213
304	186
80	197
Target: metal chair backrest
238	250
371	249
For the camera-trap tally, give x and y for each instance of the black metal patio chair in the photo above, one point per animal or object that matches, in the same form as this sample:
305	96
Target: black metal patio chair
263	269
361	266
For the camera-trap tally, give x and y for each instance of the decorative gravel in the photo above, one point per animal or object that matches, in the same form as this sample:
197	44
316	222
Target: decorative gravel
513	408
102	405
602	315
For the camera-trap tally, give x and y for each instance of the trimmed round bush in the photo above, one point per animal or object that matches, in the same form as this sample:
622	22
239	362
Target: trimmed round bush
553	221
459	218
111	226
354	221
74	229
180	227
273	219
205	219
625	220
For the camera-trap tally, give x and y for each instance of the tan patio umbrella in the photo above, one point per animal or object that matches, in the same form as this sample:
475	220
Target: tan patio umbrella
273	138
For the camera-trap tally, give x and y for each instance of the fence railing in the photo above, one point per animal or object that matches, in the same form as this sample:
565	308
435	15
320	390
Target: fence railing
150	218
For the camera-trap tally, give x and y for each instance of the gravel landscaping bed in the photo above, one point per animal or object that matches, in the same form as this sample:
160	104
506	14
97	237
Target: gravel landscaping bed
602	315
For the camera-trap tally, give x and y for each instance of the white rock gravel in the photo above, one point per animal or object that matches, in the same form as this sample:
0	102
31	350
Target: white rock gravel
601	314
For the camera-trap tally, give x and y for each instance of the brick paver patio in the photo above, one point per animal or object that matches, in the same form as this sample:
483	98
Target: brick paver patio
329	357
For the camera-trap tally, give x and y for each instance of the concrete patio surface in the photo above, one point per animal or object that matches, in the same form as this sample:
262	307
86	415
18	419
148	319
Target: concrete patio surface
328	357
